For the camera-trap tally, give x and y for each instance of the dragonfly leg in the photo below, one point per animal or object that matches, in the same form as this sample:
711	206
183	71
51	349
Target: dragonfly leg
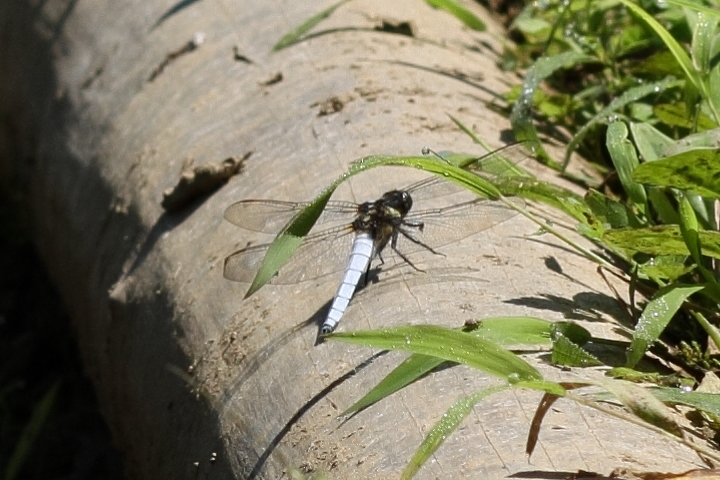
379	255
416	241
407	260
366	277
419	225
393	245
369	267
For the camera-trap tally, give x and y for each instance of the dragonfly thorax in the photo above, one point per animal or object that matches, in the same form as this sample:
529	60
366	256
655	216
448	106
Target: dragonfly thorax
399	200
381	217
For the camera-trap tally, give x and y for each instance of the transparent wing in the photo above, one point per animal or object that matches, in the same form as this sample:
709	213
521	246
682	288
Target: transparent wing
270	216
505	161
326	252
442	226
319	254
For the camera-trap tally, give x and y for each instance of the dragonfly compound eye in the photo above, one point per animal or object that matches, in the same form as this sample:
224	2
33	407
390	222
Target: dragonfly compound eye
407	201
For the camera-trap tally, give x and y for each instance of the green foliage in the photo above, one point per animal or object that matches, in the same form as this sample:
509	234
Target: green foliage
612	61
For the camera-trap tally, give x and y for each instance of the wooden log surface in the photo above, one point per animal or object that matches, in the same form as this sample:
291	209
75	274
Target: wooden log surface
110	99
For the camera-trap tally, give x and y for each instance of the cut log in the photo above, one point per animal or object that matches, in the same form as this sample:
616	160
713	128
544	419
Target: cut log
110	100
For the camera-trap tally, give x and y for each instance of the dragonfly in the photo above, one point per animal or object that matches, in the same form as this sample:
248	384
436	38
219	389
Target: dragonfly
363	232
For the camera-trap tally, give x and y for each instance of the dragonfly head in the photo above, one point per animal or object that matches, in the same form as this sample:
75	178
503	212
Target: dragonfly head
399	200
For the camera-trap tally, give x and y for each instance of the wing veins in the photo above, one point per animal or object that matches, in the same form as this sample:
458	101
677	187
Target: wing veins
321	253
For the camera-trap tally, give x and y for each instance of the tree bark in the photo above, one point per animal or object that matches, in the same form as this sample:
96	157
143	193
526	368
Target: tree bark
108	101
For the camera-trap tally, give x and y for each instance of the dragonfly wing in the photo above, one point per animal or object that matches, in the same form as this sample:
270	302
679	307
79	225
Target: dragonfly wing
270	216
319	254
505	161
443	226
432	187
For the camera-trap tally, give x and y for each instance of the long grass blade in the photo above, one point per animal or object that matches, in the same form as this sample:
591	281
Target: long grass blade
468	18
521	116
296	34
624	158
643	404
32	429
449	422
509	332
451	345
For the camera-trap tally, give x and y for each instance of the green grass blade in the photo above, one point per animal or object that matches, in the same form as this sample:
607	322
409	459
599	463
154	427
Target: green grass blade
411	369
451	345
671	380
516	332
643	404
521	116
625	160
569	354
714	94
696	171
468	18
656	316
449	422
296	34
704	32
699	140
467	130
663	207
288	240
689	229
552	388
453	173
32	429
667	269
552	195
